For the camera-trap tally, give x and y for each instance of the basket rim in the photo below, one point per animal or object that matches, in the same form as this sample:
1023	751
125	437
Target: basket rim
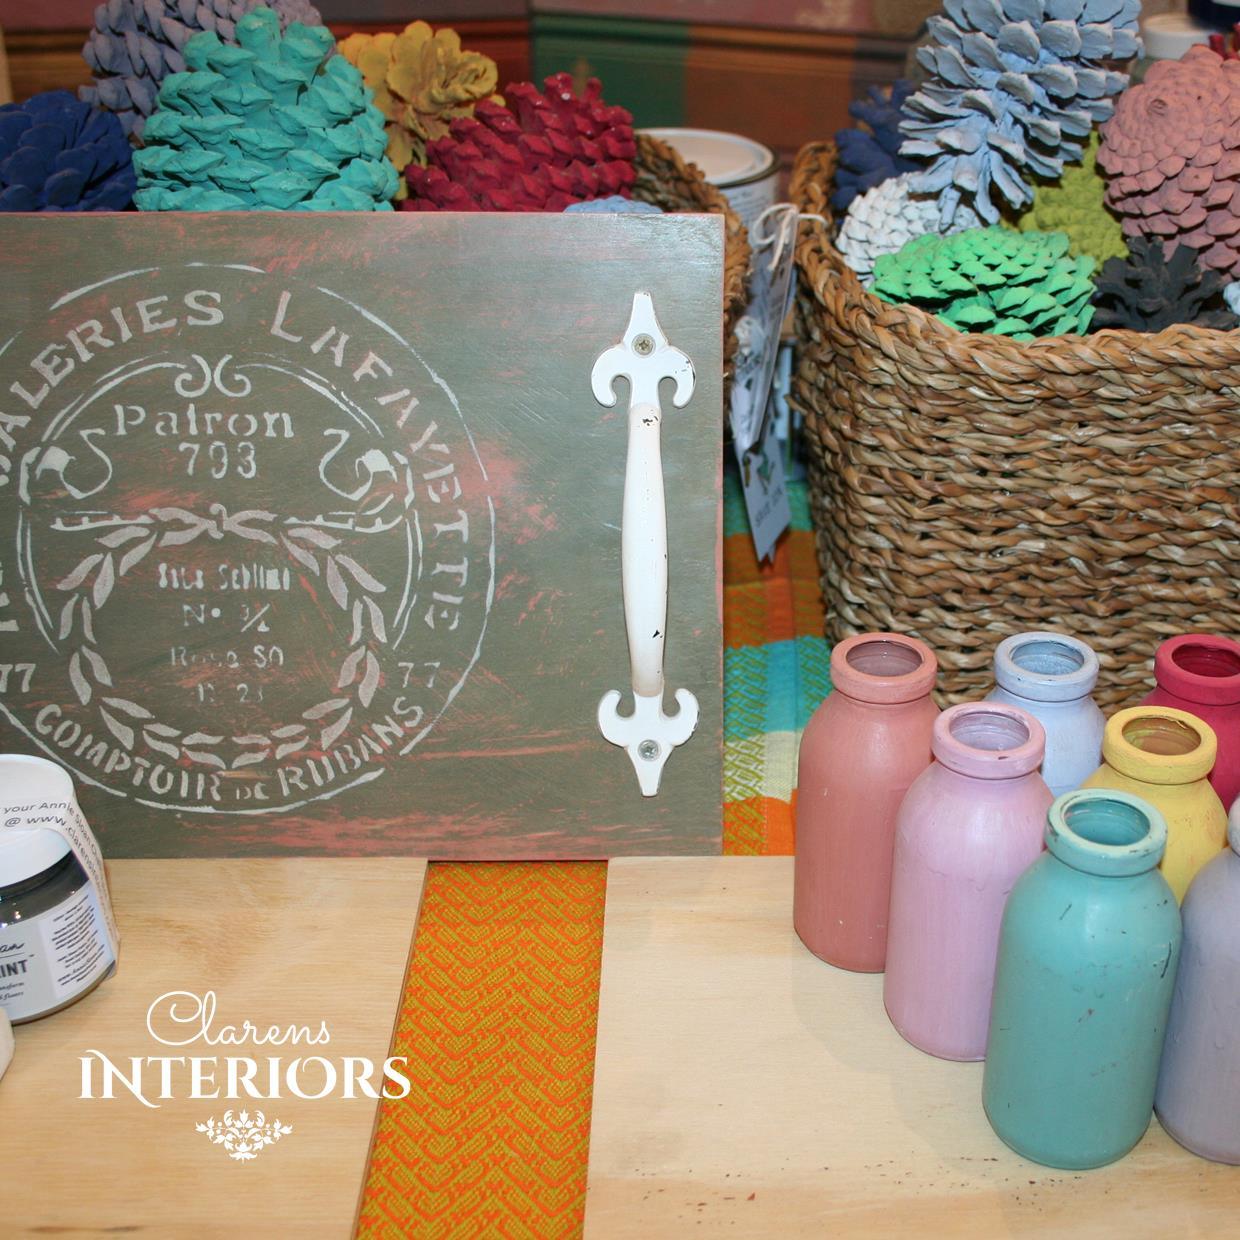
1180	345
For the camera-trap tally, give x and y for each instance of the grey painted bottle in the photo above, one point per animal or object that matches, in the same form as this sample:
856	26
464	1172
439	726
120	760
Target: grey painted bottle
1052	675
1198	1099
1087	959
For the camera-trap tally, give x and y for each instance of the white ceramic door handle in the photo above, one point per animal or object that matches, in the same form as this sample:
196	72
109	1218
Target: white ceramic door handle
645	357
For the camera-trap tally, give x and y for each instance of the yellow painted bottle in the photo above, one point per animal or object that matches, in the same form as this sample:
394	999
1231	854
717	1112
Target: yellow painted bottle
1164	756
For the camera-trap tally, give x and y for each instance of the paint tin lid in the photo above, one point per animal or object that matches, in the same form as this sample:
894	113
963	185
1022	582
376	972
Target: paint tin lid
23	854
726	159
1167	36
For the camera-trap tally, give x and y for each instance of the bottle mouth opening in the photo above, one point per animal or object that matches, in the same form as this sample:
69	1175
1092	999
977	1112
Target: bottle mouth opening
1159	735
990	730
1046	657
1212	662
881	657
1107	823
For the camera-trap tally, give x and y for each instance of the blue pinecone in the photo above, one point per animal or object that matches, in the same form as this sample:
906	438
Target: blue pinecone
136	43
870	156
59	154
1014	89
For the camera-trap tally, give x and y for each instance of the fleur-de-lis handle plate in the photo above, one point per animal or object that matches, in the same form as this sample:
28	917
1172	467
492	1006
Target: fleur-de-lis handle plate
644	357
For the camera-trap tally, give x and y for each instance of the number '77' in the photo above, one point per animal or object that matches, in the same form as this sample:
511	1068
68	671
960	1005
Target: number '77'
23	670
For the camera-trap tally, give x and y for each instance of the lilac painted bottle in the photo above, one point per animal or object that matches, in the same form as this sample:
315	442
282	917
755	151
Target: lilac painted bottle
1052	675
1198	1098
970	825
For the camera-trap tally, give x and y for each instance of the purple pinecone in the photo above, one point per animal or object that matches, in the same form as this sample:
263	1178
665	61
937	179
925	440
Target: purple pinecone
136	43
60	154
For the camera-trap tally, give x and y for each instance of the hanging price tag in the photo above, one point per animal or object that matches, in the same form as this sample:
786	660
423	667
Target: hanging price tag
766	491
770	292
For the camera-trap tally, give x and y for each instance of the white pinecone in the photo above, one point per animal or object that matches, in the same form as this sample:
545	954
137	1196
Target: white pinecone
882	219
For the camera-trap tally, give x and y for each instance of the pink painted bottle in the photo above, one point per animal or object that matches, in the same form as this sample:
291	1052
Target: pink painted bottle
862	749
970	826
1201	674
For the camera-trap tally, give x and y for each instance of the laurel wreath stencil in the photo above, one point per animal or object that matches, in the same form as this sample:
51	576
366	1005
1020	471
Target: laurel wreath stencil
243	1135
351	587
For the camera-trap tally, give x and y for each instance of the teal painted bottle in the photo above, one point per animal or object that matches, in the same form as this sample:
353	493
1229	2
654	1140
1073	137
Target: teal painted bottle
1087	960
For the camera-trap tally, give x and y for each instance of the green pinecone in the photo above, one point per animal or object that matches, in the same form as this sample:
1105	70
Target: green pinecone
996	280
276	123
1075	206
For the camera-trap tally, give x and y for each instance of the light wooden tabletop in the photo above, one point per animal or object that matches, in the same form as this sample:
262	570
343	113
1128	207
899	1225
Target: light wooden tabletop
279	942
745	1089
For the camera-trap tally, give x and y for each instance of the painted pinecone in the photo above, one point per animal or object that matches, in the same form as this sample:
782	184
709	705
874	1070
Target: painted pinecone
887	217
997	280
1075	206
59	154
135	44
270	124
1014	89
545	150
422	79
869	153
1172	153
1148	290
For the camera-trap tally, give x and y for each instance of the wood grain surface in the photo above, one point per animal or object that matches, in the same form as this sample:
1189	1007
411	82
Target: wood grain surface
280	942
744	1088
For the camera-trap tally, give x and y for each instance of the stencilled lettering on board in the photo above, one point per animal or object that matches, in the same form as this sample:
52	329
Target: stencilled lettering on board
253	556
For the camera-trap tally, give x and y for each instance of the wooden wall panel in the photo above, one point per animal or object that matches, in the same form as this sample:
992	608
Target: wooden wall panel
52	59
781	88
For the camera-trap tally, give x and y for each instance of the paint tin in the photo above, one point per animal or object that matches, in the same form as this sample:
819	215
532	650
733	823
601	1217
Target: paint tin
746	171
6	1042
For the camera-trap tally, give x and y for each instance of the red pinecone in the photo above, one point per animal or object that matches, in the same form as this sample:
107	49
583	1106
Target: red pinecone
546	151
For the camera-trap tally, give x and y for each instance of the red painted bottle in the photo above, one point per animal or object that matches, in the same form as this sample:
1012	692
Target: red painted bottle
1200	673
864	746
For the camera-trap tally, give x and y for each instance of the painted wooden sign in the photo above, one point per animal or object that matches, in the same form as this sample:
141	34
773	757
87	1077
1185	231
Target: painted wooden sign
310	529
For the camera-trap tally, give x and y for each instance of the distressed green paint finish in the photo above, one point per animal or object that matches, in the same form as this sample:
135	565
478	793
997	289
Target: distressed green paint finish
309	529
641	64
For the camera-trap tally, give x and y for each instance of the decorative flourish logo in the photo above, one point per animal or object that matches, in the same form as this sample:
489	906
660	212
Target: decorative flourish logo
243	1135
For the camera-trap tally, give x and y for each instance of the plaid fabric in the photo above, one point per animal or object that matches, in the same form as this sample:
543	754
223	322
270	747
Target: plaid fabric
501	1002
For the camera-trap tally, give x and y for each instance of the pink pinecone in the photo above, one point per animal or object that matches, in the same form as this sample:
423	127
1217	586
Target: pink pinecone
1172	155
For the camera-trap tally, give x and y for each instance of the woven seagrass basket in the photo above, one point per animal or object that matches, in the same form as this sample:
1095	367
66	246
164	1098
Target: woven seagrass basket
670	182
967	487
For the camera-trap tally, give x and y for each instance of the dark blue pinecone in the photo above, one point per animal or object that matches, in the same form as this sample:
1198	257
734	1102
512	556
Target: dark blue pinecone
136	43
868	157
59	154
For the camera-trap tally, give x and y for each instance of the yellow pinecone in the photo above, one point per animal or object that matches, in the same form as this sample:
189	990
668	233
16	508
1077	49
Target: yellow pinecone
422	79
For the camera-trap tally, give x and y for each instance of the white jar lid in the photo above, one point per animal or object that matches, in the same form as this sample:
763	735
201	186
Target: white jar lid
726	159
23	853
1167	36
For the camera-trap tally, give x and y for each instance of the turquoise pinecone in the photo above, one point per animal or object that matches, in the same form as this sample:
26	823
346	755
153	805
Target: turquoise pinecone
275	123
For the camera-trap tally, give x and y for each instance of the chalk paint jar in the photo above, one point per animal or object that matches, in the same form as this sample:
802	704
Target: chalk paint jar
1164	755
1087	962
1198	1098
53	942
970	826
862	749
6	1042
1052	675
1200	673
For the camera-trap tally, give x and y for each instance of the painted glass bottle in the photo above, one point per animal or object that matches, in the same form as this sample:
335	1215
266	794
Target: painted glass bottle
1201	674
1198	1098
1164	755
1087	961
862	749
1052	675
970	826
